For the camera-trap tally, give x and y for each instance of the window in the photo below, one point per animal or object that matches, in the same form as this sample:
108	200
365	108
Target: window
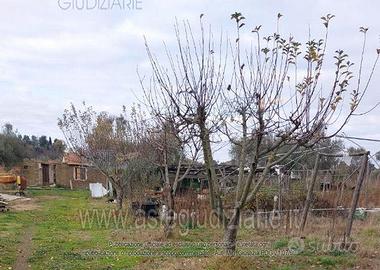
80	173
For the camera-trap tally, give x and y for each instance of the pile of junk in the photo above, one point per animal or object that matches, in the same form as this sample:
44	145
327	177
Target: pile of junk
12	183
3	205
150	203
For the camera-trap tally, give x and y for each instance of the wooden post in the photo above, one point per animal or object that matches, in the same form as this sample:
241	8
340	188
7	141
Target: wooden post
257	222
309	194
356	195
367	182
287	221
279	195
335	213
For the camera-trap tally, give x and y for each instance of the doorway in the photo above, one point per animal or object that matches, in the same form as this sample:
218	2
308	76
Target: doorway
45	174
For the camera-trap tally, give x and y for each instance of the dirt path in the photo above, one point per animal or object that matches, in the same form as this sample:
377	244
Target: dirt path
24	250
9	197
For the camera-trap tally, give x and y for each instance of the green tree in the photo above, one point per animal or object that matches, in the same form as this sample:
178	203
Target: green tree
43	142
12	148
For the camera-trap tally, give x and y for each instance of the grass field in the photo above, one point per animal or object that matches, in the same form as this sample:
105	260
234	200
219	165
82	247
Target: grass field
52	235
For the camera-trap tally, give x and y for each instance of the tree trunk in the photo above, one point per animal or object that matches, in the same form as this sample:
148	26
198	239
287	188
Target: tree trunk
215	199
120	194
230	234
129	192
210	171
169	219
168	195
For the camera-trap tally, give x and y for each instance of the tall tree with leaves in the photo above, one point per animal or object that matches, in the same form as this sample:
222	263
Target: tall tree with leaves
12	149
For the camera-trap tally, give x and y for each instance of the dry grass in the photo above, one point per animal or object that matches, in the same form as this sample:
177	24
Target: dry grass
369	196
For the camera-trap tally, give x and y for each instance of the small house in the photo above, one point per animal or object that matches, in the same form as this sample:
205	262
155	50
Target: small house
71	172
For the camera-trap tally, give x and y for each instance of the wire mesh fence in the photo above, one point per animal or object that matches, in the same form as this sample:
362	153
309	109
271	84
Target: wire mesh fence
280	203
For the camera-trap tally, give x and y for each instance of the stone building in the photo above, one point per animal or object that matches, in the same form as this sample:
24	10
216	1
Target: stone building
71	172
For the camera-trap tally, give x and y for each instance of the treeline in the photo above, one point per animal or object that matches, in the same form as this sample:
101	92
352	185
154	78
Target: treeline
15	147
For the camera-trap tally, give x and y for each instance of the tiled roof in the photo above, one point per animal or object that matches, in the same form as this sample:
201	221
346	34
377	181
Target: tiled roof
72	158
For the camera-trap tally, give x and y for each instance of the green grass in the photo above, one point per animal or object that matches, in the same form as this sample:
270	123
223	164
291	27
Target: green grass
60	242
281	243
327	261
58	237
11	227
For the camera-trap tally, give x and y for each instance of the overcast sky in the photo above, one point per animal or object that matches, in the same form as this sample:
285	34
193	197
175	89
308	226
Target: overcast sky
52	54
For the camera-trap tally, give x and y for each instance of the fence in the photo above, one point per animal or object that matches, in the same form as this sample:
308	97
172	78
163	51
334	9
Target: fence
291	204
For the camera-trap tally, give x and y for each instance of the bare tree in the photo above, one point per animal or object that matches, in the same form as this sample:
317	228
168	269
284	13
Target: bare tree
175	143
114	145
266	97
189	89
176	148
